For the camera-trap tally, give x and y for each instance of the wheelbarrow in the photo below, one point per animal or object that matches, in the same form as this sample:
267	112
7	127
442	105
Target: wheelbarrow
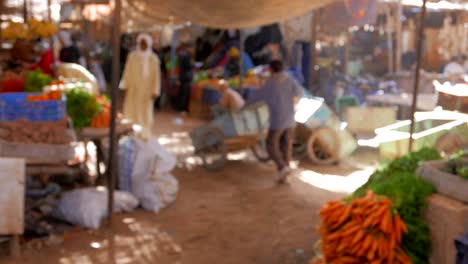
231	132
319	134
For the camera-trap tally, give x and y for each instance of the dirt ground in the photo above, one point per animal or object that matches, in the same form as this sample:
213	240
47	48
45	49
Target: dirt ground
238	215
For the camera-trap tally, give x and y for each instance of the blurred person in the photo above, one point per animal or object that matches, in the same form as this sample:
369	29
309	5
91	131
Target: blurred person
185	77
232	67
69	52
141	81
202	49
455	66
280	92
124	51
46	61
465	62
22	51
95	68
230	100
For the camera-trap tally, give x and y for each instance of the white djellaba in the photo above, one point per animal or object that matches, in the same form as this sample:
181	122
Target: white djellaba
142	81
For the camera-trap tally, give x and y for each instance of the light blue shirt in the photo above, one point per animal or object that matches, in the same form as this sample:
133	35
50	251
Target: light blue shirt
278	93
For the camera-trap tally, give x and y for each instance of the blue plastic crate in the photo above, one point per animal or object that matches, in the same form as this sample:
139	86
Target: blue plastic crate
211	96
14	106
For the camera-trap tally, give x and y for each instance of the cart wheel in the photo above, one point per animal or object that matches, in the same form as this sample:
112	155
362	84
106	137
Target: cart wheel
213	151
299	150
323	146
449	143
260	152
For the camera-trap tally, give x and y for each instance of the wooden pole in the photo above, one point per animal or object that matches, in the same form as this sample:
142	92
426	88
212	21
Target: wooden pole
313	50
25	11
173	57
398	44
422	18
112	164
241	58
347	52
389	39
52	44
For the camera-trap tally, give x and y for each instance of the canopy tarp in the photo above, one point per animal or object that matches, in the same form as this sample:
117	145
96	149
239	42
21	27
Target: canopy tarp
225	14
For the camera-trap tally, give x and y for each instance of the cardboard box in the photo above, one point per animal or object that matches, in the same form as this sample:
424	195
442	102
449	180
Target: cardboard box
448	219
368	119
12	179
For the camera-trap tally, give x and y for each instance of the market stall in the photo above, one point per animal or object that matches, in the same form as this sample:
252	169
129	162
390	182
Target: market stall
206	89
397	217
403	102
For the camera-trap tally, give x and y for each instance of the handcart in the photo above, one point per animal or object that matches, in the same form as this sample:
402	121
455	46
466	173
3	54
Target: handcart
231	132
320	134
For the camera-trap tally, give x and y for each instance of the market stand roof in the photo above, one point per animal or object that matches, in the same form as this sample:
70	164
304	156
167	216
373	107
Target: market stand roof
225	14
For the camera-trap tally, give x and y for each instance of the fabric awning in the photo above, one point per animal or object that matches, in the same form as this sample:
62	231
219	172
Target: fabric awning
225	14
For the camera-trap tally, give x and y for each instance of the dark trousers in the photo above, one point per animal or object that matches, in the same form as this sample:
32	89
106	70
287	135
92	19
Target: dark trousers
184	96
279	145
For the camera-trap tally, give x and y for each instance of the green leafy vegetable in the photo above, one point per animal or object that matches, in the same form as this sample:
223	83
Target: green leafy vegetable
35	81
81	107
458	164
408	193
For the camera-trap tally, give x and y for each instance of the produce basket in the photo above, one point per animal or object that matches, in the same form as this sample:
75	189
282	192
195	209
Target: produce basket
15	106
447	184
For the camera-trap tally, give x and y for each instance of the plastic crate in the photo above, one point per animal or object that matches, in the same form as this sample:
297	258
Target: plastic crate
14	106
211	96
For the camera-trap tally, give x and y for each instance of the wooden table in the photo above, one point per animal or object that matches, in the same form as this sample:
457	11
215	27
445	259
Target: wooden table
12	179
425	102
97	135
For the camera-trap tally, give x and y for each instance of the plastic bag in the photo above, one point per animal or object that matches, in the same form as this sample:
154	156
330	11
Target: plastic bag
87	207
126	158
152	183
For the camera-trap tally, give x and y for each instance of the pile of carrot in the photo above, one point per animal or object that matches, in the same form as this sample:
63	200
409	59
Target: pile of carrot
52	95
364	230
103	118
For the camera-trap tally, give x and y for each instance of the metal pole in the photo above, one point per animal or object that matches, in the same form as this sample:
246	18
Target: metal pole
416	73
25	11
52	44
313	49
241	58
399	13
111	167
389	39
172	79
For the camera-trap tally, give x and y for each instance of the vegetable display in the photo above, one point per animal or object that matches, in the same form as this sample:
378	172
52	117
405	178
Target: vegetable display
103	118
48	132
363	230
458	165
408	193
81	107
52	95
35	81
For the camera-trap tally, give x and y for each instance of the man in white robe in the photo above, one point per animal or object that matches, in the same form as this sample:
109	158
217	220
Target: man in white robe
141	81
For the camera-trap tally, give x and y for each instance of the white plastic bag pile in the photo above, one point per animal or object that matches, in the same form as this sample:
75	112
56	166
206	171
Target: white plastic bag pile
87	207
144	178
152	182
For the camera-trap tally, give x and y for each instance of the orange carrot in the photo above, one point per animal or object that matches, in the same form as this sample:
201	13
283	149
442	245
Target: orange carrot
373	248
385	221
397	230
351	230
345	215
391	257
367	243
401	224
359	236
334	236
